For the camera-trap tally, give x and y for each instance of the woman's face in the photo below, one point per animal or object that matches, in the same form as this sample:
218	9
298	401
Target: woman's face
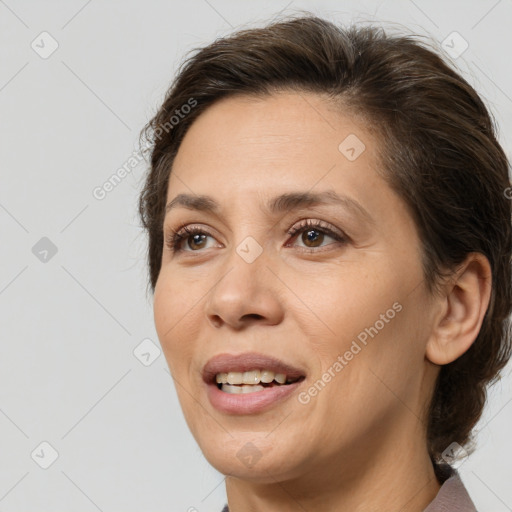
330	285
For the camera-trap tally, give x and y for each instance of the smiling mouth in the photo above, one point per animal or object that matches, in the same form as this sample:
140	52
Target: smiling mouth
252	381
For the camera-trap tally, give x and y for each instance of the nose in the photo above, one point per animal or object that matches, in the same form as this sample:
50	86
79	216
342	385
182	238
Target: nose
245	294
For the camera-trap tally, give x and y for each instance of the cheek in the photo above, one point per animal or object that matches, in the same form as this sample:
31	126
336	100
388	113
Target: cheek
362	325
382	359
345	302
174	308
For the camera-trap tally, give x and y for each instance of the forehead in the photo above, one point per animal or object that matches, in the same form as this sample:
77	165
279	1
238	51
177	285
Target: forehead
287	140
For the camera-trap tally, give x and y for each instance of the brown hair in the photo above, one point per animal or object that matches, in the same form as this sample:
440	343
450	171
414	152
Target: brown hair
441	156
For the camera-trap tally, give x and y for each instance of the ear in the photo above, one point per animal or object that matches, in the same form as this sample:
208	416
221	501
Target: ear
462	307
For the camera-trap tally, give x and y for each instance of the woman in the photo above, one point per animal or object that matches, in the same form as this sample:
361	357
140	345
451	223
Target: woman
329	251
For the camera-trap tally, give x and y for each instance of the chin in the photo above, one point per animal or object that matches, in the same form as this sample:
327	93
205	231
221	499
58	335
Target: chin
251	457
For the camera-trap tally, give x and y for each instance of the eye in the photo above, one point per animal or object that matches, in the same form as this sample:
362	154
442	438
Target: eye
314	233
194	236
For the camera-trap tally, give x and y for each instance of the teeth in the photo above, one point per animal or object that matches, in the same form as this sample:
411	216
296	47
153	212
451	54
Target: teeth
251	388
251	377
221	378
235	377
267	376
238	390
280	378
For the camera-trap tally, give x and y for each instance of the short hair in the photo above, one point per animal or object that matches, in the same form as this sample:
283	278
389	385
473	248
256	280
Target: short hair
438	151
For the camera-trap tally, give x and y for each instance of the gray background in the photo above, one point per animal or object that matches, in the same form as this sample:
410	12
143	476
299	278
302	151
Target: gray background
71	321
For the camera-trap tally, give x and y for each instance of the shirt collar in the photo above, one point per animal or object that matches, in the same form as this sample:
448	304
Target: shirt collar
452	496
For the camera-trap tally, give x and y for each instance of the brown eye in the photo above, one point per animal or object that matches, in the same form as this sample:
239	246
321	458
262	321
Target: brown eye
189	239
316	234
312	238
197	241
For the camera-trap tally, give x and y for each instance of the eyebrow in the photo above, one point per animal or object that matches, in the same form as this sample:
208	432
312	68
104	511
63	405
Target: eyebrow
277	205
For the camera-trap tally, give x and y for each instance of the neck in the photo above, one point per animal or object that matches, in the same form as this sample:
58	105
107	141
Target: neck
391	475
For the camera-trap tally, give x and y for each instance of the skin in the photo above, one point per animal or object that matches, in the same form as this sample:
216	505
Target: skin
360	443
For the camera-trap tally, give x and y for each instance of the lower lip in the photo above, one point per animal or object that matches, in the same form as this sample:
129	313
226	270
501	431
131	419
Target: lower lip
249	403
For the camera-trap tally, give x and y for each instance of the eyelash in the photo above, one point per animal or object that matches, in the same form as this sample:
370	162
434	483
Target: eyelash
175	238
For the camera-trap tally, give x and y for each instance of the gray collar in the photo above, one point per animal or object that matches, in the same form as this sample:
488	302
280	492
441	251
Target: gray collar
453	496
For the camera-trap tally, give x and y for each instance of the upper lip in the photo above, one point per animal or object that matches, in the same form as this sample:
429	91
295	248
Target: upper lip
225	363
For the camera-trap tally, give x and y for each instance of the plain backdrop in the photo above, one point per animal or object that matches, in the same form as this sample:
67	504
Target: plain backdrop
89	418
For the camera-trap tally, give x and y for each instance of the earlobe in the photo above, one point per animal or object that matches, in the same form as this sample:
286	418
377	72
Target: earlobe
462	309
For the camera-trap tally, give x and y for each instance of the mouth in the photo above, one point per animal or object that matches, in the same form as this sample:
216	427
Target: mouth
250	382
236	382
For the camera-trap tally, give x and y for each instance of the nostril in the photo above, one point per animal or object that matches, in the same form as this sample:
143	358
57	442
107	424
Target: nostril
254	316
216	320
